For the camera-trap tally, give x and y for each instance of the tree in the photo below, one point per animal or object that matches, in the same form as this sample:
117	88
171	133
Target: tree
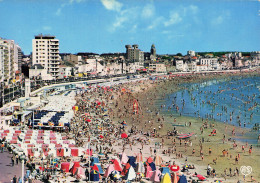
179	54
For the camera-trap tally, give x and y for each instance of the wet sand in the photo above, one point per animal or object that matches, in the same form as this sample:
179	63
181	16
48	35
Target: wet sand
149	97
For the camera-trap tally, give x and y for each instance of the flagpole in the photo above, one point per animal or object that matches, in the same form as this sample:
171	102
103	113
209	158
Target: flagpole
89	161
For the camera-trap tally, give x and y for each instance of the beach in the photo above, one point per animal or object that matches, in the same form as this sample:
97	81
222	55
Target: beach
215	143
115	122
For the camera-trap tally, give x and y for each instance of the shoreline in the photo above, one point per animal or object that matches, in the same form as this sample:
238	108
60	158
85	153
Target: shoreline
214	142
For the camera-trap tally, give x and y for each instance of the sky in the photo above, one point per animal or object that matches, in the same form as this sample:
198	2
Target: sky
103	26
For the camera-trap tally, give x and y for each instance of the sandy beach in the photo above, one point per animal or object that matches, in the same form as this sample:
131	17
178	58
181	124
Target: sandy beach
220	162
117	121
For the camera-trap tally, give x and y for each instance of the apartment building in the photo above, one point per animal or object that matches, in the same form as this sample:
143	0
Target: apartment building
46	53
211	63
134	53
9	59
1	65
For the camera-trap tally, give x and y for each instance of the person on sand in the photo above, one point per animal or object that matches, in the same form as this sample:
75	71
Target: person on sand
236	160
210	151
252	179
193	152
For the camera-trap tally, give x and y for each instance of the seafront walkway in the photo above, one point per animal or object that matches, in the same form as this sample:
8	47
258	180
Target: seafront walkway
7	171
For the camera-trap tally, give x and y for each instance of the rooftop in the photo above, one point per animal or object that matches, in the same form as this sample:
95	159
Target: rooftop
47	36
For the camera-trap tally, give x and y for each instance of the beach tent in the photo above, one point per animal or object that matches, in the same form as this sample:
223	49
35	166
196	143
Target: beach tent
148	172
30	152
139	157
89	152
130	174
166	178
99	168
183	179
60	152
117	165
175	178
94	176
65	166
165	170
74	167
74	152
131	161
124	158
109	169
140	167
152	165
158	160
156	176
94	160
94	168
125	170
80	173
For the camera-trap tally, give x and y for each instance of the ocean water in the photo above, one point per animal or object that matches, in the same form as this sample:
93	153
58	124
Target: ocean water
234	100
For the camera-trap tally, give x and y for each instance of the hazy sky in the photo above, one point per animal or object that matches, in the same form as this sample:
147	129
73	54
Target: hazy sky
103	26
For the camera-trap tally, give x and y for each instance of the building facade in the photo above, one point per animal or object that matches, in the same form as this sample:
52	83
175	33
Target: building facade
46	53
211	63
133	53
10	57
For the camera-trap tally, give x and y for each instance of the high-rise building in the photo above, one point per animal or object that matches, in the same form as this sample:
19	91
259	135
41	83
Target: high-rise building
1	65
134	53
46	52
9	59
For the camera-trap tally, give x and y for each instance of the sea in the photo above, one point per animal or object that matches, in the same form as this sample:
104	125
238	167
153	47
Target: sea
234	100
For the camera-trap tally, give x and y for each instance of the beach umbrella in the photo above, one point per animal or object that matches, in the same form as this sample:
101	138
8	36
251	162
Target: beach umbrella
140	167
158	160
117	165
94	160
131	161
99	168
183	179
101	136
166	178
165	170
131	175
88	120
175	179
94	176
175	168
95	167
156	176
139	157
148	172
74	168
217	181
124	135
109	170
150	160
124	158
126	169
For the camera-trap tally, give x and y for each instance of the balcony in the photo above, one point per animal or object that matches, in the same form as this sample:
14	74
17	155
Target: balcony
54	71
